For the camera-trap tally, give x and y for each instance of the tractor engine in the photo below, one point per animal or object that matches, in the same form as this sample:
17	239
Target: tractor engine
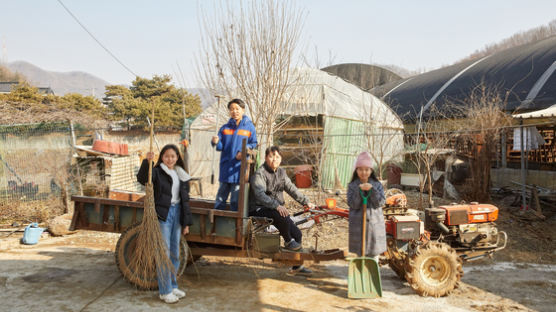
463	226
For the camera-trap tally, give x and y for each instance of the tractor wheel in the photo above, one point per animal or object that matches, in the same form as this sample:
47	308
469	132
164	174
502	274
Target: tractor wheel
124	252
434	270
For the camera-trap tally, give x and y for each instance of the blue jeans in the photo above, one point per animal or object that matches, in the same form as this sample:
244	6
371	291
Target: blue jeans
171	232
222	196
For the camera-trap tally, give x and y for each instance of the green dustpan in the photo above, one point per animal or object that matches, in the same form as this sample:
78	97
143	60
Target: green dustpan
364	273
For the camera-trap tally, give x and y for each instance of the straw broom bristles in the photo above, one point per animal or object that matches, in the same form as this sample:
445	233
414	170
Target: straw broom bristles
150	255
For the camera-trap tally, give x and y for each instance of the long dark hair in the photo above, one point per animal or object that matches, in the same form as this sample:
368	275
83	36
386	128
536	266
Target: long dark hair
166	147
355	176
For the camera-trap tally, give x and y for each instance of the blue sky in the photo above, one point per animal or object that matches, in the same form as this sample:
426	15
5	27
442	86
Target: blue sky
150	37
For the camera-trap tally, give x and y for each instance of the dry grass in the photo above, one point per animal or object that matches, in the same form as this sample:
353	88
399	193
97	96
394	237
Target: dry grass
32	211
485	117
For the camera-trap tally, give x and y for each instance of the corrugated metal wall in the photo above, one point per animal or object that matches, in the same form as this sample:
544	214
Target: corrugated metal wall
343	140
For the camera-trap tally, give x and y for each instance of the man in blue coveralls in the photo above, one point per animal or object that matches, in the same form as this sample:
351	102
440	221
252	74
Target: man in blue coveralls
228	141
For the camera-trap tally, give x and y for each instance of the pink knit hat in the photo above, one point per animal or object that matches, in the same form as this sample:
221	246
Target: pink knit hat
363	160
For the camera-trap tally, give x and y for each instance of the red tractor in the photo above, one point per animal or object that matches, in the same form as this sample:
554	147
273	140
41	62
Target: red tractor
428	248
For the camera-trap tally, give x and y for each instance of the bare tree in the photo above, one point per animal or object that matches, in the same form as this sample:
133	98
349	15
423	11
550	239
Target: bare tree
431	140
520	38
485	119
381	138
250	52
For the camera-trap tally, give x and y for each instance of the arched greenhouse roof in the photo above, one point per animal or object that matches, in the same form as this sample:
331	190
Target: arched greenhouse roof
524	75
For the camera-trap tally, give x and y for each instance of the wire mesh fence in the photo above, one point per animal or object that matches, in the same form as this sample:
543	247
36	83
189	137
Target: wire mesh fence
43	165
35	161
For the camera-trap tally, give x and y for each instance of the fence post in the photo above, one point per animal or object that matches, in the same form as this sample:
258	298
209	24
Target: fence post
503	157
74	151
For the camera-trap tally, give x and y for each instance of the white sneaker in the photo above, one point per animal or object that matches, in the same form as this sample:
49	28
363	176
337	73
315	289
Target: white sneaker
178	293
169	298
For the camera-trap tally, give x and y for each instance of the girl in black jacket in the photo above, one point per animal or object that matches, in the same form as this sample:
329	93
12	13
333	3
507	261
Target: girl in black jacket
171	198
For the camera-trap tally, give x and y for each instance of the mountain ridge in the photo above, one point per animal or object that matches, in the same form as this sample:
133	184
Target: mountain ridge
60	82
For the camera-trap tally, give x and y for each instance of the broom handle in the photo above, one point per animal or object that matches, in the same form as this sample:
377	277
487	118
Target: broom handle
151	145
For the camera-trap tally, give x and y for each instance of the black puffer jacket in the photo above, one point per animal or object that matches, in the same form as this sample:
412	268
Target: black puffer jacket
162	185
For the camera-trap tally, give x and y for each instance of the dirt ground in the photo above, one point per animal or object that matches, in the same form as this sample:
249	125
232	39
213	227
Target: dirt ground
78	273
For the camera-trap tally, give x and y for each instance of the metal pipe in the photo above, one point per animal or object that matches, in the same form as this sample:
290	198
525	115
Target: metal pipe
443	227
523	199
218	97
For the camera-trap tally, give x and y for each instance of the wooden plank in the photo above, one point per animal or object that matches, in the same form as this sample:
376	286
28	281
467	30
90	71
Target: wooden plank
327	255
213	239
239	237
74	219
243	176
126	196
117	218
218	252
106	201
202	226
134	218
215	212
194	202
97	206
282	256
83	222
105	211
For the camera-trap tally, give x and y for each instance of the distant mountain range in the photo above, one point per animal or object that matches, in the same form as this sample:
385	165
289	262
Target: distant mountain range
60	83
204	94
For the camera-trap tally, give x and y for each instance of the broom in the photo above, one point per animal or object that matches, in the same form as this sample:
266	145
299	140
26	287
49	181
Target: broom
150	254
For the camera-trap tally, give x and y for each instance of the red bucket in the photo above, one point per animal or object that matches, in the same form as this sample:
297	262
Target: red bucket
303	177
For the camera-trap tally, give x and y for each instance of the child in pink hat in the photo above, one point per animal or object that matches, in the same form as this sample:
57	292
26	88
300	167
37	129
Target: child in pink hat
365	184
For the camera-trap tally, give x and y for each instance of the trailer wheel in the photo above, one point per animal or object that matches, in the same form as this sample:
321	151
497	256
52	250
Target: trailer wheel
184	257
190	258
434	270
124	252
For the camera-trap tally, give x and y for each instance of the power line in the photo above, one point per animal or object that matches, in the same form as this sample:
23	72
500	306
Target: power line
92	36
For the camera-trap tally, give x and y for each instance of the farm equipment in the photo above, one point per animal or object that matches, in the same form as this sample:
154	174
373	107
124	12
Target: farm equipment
428	249
213	233
430	254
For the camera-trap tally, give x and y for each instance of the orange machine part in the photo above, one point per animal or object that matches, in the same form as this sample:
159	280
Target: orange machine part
397	200
480	213
470	213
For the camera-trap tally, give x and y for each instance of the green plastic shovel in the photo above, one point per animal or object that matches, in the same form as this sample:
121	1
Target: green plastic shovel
364	273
